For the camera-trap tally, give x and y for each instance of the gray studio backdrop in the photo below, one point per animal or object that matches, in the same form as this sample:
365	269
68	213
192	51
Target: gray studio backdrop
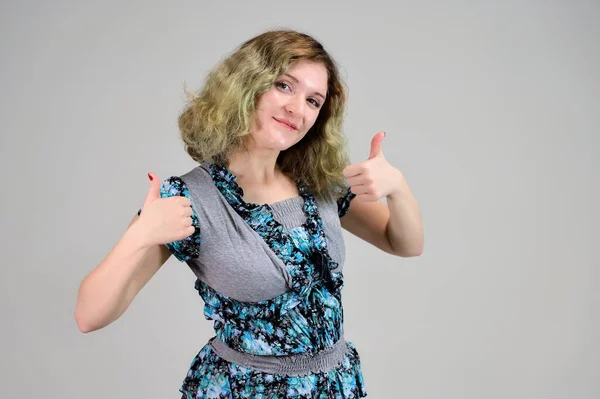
492	113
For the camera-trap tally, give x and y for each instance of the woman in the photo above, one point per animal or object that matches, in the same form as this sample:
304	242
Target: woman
259	223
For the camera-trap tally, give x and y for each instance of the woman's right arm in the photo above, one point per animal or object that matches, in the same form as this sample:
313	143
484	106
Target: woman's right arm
108	290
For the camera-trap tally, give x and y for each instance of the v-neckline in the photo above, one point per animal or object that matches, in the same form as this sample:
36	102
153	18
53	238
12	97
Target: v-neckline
309	204
253	205
260	218
232	179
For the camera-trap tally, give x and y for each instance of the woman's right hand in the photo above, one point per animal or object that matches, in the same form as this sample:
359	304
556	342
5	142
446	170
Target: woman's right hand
164	220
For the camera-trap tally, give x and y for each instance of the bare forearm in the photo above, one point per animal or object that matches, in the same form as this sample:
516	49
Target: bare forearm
104	294
405	227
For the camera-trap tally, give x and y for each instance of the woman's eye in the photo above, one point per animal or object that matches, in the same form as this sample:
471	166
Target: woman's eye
314	102
282	85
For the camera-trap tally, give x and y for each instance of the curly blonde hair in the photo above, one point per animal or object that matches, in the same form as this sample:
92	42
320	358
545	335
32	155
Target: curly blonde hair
216	120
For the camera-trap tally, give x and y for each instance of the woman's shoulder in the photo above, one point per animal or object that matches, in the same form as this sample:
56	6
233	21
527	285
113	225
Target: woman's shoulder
181	184
336	199
198	185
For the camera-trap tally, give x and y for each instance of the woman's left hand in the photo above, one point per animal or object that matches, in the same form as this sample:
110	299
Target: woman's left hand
374	178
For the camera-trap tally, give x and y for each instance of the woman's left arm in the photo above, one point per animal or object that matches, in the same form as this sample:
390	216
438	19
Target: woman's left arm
396	228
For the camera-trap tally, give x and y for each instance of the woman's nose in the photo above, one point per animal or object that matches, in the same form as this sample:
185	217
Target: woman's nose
295	106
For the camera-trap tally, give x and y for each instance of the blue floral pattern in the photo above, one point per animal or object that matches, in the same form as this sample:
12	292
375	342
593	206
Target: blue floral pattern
306	319
212	377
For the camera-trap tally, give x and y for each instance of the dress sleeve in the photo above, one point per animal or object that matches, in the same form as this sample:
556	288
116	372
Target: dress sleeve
189	247
343	202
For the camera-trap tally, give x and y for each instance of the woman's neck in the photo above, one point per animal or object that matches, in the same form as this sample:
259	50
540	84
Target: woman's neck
255	169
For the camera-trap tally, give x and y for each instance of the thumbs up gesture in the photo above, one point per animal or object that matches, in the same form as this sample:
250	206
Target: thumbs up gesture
374	178
165	220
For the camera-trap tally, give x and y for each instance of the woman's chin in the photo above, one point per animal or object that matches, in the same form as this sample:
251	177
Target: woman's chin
283	144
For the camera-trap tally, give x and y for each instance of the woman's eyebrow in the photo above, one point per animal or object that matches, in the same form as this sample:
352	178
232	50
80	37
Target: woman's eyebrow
297	81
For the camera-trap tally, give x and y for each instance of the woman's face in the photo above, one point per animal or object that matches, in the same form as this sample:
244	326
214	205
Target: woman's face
287	111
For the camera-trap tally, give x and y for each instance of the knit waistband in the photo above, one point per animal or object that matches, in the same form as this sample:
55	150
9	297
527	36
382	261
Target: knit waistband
304	363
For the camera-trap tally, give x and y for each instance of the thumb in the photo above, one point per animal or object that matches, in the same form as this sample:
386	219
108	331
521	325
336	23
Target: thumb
153	190
376	145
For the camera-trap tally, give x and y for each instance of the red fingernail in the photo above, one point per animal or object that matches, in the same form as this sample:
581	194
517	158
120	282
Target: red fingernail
149	177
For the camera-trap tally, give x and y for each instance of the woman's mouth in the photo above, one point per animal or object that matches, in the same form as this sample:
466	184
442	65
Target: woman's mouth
287	124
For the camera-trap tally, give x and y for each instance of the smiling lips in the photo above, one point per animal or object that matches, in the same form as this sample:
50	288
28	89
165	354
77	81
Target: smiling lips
287	124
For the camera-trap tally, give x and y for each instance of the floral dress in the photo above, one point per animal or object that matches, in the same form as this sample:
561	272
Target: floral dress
303	321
